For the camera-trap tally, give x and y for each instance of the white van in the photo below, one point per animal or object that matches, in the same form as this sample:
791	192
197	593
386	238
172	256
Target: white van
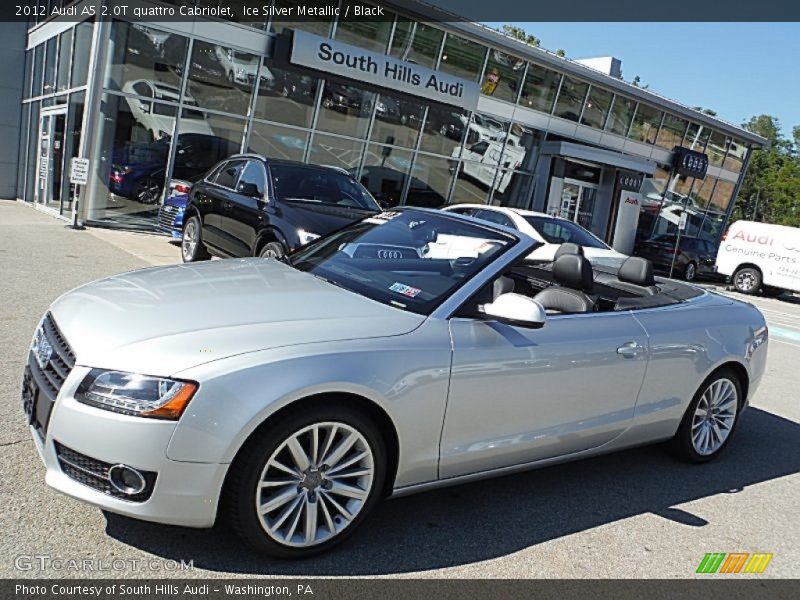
758	256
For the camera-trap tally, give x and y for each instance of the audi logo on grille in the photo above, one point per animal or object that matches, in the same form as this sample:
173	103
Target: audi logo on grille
390	254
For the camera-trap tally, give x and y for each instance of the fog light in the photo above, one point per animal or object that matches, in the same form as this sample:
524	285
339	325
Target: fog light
126	479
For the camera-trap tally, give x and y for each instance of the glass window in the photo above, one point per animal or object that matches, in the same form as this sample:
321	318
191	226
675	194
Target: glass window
672	132
513	188
416	42
434	172
197	153
645	124
427	281
619	119
38	67
131	163
385	173
696	137
255	175
274	141
596	109
397	121
26	84
346	109
492	216
503	76
571	99
228	175
721	197
335	151
716	148
540	88
72	144
368	34
64	58
81	53
444	130
139	52
734	160
49	83
317	25
309	183
560	231
462	58
222	78
285	96
33	152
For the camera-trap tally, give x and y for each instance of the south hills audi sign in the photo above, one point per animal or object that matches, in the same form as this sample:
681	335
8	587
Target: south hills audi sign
330	56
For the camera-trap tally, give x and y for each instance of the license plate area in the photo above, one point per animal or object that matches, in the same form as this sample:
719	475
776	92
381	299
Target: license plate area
37	406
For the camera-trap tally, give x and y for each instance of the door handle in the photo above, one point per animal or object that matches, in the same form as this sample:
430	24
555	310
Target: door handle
630	350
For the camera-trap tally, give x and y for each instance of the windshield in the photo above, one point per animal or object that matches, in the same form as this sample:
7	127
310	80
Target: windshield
558	231
321	185
409	259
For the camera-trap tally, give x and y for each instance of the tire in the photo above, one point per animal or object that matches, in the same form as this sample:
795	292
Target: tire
148	191
192	247
690	272
689	442
747	280
313	489
272	250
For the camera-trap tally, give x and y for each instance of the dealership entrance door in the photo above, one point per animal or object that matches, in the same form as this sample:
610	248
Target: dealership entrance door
577	202
50	172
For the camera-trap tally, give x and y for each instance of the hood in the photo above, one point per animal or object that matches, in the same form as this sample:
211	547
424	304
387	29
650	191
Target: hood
163	320
320	218
200	126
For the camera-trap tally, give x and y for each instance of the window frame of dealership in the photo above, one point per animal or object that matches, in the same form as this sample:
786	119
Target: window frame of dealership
580	136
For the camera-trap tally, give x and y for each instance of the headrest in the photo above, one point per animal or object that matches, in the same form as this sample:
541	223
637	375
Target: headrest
568	248
638	271
573	271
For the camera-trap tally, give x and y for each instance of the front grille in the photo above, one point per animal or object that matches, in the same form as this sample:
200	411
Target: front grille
166	216
94	474
49	376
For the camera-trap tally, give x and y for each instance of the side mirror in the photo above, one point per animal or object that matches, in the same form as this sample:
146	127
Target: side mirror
516	309
250	190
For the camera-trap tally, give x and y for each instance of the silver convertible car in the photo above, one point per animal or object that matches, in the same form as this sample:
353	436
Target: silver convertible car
410	350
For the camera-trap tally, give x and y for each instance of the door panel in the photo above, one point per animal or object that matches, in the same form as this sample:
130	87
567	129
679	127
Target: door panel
519	395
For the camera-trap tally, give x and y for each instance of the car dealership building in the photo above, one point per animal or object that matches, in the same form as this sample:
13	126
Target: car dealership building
422	112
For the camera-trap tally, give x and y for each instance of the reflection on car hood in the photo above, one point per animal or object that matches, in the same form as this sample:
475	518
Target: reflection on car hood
163	320
318	217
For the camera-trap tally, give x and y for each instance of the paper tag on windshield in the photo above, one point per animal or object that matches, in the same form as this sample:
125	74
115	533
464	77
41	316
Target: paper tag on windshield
406	290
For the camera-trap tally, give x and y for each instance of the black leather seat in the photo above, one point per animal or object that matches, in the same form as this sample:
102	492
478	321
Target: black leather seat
568	248
490	293
573	274
638	272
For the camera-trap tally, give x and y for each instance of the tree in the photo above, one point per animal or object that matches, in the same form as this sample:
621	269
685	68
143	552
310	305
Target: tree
770	191
520	34
561	52
637	82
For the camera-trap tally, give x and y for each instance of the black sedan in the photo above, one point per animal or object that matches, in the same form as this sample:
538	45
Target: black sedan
694	258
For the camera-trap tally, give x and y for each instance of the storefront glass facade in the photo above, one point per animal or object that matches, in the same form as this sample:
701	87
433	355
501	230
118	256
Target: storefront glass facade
173	103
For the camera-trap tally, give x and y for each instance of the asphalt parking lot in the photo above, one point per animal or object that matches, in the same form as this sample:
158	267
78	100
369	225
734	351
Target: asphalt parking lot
639	513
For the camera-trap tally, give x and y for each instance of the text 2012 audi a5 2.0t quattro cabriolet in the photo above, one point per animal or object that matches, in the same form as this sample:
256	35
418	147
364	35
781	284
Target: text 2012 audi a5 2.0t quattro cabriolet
412	349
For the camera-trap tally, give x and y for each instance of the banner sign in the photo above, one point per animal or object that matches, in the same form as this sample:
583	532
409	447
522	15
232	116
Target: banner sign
330	56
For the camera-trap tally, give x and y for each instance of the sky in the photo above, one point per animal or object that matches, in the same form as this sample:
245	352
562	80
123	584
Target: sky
737	69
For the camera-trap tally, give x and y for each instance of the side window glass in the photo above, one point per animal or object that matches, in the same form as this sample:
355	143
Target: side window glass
255	175
494	217
228	175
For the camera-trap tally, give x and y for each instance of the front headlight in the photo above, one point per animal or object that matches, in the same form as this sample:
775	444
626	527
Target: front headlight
136	395
306	237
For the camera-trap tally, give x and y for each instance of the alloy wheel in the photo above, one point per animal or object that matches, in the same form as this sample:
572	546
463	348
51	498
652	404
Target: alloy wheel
745	281
714	416
315	484
189	242
690	273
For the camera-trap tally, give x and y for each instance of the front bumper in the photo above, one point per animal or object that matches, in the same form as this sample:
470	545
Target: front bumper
184	493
